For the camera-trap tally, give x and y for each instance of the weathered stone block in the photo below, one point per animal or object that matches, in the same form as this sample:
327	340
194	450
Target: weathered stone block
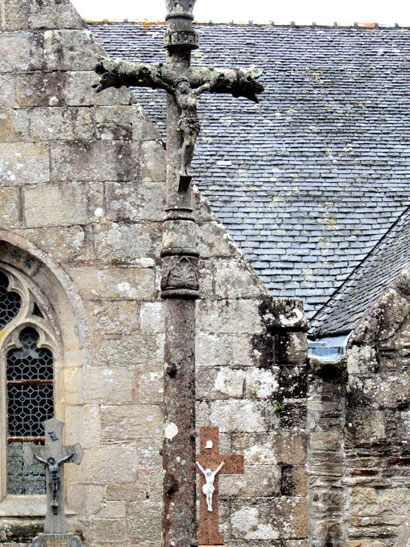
107	465
109	530
54	14
121	423
65	244
138	201
105	385
61	205
291	348
149	382
260	383
220	383
366	501
123	115
269	520
79	91
325	440
94	161
14	125
364	423
271	448
148	452
82	425
9	207
115	283
70	50
125	492
148	486
7	91
202	207
115	317
62	124
85	501
236	279
132	349
144	521
23	163
227	316
20	51
382	391
73	386
152	317
240	415
153	165
213	241
15	14
113	510
258	481
39	89
127	243
361	359
213	350
293	481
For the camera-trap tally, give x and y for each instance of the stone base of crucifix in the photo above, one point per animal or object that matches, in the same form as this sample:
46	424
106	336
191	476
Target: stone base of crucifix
56	540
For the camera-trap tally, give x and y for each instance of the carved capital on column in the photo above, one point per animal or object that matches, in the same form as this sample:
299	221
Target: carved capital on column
180	277
179	18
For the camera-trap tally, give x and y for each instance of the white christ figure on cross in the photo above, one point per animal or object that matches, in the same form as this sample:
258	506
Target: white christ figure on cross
208	488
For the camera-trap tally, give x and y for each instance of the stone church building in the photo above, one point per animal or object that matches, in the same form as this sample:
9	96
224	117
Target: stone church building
303	321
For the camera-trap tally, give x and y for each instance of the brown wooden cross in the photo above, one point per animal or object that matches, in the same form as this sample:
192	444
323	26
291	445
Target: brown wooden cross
210	459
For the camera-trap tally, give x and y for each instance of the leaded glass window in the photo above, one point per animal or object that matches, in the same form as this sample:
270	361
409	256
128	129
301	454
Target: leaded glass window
28	374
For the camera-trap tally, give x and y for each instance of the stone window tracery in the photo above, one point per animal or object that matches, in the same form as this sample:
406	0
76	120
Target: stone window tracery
27	351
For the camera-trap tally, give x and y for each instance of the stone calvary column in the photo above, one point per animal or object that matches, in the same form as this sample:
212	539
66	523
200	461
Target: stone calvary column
180	287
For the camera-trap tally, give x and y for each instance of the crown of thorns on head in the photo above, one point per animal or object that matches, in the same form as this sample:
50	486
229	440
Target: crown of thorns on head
179	81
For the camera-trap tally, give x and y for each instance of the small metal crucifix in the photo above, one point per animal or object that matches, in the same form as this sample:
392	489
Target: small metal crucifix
54	455
210	463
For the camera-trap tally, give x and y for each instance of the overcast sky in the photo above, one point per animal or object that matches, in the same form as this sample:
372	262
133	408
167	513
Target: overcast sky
259	11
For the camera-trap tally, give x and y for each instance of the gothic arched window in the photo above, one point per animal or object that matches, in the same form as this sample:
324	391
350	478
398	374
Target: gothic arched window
27	342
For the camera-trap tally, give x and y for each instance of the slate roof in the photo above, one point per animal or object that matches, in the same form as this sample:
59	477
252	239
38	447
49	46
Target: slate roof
367	283
311	179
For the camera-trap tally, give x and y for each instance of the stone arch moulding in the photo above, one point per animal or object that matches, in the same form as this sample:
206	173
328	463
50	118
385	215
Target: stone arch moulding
62	329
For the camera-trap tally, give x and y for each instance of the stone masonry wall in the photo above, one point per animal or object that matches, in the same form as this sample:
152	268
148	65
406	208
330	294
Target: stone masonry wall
359	453
377	423
82	197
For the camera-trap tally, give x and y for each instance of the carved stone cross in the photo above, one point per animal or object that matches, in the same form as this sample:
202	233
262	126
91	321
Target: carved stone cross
54	455
210	459
179	285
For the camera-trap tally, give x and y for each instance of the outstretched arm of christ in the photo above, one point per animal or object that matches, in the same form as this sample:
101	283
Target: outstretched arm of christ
239	82
40	459
65	459
200	467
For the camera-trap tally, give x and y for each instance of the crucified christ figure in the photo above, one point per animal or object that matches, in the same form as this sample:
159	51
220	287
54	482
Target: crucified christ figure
55	479
188	122
185	86
208	488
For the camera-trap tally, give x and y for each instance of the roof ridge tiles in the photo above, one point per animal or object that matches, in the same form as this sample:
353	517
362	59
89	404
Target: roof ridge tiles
242	24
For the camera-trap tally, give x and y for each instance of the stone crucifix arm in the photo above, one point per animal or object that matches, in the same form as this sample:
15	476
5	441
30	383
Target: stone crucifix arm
116	73
239	82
